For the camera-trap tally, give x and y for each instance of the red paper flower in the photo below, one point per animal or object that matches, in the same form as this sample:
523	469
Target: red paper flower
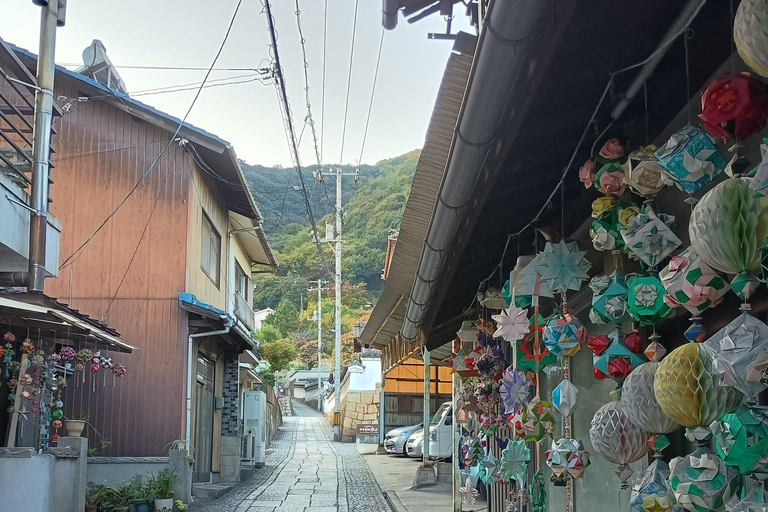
734	106
612	150
587	173
633	341
9	337
598	344
94	367
619	368
598	374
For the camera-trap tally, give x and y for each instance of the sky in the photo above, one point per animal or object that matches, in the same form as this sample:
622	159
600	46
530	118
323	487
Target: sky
188	34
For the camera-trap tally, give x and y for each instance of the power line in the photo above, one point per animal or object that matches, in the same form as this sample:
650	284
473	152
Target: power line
290	131
349	83
169	68
157	159
373	91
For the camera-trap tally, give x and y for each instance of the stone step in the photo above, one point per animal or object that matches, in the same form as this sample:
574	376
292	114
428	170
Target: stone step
203	491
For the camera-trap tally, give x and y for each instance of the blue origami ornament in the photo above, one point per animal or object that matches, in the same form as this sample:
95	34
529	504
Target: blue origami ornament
609	299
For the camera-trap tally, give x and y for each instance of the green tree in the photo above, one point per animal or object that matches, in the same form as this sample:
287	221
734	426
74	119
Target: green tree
285	318
268	377
279	353
267	334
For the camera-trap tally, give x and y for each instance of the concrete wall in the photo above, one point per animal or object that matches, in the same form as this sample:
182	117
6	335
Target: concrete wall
51	481
368	378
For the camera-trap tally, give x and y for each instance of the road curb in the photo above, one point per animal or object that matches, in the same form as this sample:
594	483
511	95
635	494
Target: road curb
394	501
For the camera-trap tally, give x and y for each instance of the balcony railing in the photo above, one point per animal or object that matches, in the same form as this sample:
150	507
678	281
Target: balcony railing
244	311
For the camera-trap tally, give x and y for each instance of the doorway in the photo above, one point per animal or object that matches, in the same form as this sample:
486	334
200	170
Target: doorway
203	420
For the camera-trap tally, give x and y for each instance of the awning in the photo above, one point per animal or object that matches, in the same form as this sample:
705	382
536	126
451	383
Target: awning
54	320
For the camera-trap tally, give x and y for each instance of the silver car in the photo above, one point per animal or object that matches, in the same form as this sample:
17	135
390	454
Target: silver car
413	446
394	441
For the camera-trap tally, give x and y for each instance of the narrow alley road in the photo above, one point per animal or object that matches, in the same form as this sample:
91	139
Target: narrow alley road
306	472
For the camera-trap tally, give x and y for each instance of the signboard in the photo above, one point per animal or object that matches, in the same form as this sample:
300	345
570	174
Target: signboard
367	429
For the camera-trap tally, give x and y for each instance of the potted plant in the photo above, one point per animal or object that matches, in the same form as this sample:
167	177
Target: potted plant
180	505
162	486
97	494
75	427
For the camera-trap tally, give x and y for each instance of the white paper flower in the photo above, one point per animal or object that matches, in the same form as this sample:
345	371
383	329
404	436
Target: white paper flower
511	324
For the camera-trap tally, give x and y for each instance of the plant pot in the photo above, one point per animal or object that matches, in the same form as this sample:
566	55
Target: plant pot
75	429
164	505
91	508
122	509
141	506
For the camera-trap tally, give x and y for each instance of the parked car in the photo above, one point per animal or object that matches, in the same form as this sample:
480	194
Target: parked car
441	432
413	446
394	441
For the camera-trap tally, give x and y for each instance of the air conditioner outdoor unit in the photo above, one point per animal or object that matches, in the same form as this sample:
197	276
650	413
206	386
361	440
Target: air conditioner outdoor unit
247	451
254	423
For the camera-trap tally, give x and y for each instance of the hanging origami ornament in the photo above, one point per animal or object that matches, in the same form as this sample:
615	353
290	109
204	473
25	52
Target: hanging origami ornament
734	106
617	438
691	283
565	397
750	32
531	355
564	335
488	469
538	422
562	266
608	172
702	483
611	218
687	390
473	449
468	493
741	439
609	298
514	459
613	357
529	279
757	369
755	501
733	348
514	390
642	172
511	324
728	228
567	458
538	493
518	298
649	238
645	300
651	492
690	159
639	401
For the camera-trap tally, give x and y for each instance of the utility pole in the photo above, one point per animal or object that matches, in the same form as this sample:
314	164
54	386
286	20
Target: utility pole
319	318
337	307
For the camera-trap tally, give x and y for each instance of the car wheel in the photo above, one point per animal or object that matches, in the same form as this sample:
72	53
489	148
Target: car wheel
405	450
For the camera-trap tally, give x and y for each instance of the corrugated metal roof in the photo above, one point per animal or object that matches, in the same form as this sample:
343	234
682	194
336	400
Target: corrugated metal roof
387	317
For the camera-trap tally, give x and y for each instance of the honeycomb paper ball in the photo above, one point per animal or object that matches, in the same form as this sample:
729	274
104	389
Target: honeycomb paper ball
750	32
639	401
688	392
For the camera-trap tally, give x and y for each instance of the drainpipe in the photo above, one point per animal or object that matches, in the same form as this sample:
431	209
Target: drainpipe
41	143
508	30
389	14
190	368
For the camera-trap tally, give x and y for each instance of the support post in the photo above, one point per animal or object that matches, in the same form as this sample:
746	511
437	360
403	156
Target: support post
337	314
382	412
319	341
456	473
427	434
41	144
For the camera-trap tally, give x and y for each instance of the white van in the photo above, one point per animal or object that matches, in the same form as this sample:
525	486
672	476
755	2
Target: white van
441	432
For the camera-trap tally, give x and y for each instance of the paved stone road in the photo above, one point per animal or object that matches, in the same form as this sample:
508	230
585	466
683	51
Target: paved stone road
306	472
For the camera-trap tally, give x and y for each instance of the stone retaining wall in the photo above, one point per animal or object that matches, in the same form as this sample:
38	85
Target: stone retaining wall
358	407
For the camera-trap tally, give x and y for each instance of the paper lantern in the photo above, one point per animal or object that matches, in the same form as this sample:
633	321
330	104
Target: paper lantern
728	227
538	422
741	439
690	159
733	348
514	459
609	298
617	438
615	359
651	492
639	401
516	295
511	324
565	397
514	390
691	283
642	172
645	300
567	458
702	483
687	390
562	266
750	32
648	236
564	334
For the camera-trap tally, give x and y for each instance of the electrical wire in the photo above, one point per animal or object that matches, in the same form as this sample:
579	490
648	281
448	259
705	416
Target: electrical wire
373	91
282	94
349	82
165	148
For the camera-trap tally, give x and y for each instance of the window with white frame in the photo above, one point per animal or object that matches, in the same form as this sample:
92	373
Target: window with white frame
210	251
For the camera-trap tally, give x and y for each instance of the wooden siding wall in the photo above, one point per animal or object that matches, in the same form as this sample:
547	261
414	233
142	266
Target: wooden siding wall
101	153
205	196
